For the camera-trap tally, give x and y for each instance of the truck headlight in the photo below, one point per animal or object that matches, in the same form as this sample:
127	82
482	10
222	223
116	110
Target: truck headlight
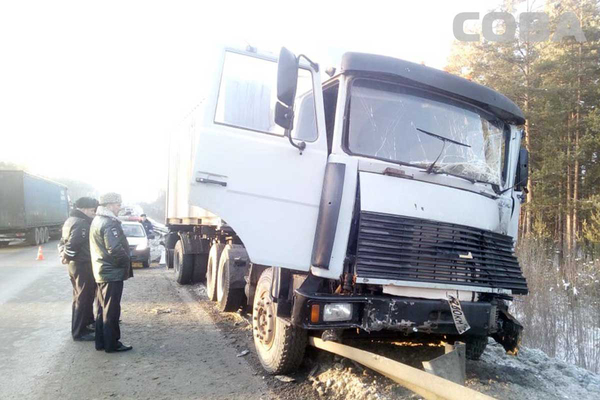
337	312
141	246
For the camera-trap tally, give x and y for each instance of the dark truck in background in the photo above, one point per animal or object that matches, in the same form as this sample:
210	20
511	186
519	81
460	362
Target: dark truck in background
32	209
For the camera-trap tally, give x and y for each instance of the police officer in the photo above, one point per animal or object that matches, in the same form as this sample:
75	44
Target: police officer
111	265
148	227
74	249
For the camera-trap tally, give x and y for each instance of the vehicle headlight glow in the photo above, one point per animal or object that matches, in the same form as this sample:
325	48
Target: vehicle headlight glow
337	312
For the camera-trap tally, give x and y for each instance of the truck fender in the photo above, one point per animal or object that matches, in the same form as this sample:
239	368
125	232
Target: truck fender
239	263
194	243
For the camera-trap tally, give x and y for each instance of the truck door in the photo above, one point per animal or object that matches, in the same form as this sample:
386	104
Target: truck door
245	169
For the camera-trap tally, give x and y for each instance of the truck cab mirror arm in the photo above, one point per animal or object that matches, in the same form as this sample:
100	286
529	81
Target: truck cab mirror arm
300	146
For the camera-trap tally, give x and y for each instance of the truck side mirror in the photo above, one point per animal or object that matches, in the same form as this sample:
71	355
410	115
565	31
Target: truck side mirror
522	170
287	82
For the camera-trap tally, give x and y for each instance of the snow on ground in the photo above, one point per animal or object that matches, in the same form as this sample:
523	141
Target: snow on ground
530	375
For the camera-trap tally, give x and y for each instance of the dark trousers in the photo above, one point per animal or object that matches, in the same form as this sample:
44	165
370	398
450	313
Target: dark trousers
84	292
108	332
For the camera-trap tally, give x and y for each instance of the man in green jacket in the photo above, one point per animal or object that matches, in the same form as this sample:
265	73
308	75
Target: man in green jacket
111	265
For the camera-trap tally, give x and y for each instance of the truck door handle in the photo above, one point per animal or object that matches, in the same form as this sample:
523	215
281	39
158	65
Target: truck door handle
211	181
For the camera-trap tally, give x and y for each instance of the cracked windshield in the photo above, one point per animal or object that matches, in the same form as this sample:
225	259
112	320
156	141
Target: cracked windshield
395	123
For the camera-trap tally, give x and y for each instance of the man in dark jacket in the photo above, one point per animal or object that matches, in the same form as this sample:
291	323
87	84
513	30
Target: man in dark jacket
111	265
74	248
147	225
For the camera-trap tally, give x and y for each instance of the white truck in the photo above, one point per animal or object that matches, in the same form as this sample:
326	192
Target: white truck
383	202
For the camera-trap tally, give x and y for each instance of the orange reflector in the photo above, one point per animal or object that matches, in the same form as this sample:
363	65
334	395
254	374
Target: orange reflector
314	313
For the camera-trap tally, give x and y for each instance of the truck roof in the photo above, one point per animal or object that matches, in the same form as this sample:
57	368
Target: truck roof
435	79
20	171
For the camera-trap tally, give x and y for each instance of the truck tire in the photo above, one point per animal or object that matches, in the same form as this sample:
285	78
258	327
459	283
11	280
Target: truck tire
212	267
475	346
183	265
46	234
228	299
200	264
279	344
169	259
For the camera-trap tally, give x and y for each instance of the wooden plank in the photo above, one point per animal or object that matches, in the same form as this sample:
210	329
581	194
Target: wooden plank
429	386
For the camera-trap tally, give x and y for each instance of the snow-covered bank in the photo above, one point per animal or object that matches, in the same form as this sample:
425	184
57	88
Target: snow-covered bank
530	375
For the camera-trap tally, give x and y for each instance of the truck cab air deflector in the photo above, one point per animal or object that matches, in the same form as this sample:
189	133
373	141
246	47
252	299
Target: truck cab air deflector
437	80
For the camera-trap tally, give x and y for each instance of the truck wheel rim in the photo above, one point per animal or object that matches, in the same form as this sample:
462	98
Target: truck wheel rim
176	262
264	320
209	277
219	281
220	287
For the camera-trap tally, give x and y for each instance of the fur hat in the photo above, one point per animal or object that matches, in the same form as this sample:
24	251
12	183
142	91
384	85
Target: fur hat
110	198
86	202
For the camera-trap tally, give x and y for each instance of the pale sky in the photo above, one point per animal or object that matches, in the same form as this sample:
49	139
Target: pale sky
91	90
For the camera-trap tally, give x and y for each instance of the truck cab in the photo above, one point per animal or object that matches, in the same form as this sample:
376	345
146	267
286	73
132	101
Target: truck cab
383	201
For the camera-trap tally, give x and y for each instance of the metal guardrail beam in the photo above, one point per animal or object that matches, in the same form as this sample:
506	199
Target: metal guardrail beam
428	386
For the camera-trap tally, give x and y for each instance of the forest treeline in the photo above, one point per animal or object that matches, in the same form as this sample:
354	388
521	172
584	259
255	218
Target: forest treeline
557	85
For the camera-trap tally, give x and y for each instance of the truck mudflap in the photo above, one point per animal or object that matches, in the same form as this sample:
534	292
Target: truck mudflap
510	333
403	314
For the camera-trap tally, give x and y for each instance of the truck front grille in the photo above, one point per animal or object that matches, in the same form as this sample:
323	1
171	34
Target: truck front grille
392	247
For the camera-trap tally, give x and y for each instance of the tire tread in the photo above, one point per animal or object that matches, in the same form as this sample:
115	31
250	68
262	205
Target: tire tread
475	347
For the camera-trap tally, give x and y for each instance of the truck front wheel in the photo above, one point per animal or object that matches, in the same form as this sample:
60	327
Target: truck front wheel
475	347
279	344
183	265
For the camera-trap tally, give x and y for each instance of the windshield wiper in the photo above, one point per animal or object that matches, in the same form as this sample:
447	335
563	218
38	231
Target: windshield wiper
444	140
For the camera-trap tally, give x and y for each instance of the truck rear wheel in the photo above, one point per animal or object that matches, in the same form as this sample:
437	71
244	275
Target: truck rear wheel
46	234
200	262
279	344
211	270
228	298
183	265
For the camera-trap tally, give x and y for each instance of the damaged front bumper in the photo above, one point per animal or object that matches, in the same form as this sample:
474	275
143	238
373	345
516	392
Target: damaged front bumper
409	316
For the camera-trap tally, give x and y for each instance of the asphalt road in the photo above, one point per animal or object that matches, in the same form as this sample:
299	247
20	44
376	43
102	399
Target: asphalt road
179	352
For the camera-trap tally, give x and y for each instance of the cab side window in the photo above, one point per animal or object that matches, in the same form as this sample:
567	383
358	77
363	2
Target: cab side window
306	119
248	94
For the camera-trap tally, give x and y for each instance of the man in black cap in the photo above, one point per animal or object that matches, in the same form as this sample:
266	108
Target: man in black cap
111	264
74	249
148	227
